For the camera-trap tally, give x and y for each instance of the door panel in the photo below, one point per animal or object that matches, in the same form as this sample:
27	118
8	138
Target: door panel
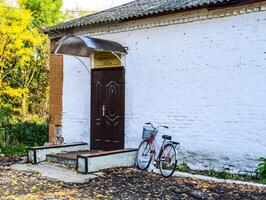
107	108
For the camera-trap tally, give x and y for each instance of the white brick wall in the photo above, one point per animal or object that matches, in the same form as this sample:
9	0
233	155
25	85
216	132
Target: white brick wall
206	80
76	100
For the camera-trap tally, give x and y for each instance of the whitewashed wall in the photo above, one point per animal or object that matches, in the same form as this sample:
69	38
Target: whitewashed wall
206	80
76	100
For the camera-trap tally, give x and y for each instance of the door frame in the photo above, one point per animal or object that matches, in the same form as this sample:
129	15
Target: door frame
91	114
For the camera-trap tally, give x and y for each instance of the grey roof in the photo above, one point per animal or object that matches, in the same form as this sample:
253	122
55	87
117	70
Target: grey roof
135	9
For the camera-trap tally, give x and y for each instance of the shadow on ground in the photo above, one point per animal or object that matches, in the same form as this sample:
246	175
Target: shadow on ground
122	183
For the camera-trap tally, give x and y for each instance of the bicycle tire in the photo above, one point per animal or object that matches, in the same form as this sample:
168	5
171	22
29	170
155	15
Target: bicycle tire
139	165
161	161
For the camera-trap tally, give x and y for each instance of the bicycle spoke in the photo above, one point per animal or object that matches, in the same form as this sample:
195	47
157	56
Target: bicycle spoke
144	155
146	148
168	160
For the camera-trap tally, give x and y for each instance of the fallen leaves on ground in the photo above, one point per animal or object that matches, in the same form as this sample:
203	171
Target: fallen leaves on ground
122	183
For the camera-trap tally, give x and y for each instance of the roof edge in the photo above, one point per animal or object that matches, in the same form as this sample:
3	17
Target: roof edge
105	10
211	5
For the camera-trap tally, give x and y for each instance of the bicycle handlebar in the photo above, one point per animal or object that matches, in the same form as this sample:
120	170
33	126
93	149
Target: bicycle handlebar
149	123
163	126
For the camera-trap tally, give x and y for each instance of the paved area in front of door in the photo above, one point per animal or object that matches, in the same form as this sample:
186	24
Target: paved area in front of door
119	183
56	172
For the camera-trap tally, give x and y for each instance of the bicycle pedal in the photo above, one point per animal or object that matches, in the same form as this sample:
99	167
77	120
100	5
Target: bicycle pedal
155	164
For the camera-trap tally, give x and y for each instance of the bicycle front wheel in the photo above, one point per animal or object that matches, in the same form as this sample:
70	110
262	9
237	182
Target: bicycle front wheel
144	155
168	160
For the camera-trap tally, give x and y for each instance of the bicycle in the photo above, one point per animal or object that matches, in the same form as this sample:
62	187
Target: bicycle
167	157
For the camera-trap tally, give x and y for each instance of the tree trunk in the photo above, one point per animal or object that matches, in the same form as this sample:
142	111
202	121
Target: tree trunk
24	106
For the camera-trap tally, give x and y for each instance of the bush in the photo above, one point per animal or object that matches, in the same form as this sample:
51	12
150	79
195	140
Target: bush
14	150
261	170
5	124
17	135
29	133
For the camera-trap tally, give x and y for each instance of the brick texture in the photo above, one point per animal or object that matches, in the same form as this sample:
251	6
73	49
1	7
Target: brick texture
206	81
76	100
56	88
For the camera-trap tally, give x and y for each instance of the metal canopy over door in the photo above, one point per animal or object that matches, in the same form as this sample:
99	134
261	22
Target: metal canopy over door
107	108
107	87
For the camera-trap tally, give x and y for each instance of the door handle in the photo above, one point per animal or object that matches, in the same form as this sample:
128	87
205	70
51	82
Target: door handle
103	109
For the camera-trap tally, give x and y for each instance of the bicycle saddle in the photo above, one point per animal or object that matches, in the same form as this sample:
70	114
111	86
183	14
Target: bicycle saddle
176	143
167	137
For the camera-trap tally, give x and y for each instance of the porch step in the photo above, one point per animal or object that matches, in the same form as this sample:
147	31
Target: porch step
68	159
38	154
89	161
93	162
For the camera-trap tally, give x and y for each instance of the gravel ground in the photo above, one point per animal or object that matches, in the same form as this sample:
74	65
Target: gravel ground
122	183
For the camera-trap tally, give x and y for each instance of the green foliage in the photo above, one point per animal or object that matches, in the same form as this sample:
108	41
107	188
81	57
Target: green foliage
16	135
5	119
14	150
29	133
24	74
223	173
24	53
23	62
45	13
79	12
183	167
261	170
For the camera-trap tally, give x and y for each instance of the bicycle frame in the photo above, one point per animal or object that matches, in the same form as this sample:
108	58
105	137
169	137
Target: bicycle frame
166	159
155	155
151	140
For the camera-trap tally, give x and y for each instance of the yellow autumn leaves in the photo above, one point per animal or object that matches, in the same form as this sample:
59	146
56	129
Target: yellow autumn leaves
21	46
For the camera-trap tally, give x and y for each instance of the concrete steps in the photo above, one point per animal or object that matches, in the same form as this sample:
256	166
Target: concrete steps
68	159
38	154
77	156
90	161
93	162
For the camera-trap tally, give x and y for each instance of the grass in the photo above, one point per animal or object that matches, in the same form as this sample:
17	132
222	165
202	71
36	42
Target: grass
223	173
261	170
14	150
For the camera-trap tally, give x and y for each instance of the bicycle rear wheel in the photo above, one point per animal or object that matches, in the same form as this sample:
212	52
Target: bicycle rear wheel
168	160
144	155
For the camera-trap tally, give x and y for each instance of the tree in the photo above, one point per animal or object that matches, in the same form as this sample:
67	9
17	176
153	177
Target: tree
24	53
77	13
23	58
45	13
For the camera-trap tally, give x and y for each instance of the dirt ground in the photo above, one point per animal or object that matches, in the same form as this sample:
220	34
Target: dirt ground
122	183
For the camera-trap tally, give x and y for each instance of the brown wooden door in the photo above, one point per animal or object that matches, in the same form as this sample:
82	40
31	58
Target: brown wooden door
107	108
